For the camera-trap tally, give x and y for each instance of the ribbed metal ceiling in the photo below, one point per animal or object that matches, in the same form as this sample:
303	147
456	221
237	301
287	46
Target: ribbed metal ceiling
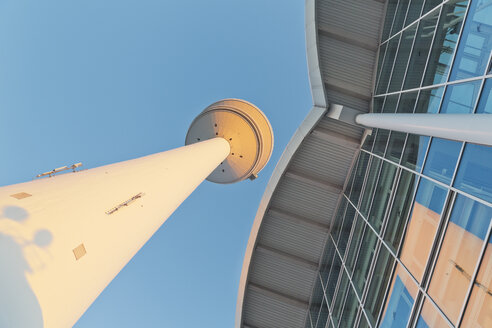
294	217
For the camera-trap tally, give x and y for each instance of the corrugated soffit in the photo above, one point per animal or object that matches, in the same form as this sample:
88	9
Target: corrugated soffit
294	217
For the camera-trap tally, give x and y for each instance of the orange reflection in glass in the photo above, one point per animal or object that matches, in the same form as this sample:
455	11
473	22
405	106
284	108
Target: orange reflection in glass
479	310
419	238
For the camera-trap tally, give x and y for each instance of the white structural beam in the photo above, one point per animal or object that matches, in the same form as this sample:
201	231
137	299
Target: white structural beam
473	128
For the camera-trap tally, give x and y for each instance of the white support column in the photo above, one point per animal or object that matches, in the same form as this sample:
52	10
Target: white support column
63	238
61	246
474	128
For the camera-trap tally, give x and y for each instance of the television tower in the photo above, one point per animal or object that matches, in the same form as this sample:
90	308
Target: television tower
64	237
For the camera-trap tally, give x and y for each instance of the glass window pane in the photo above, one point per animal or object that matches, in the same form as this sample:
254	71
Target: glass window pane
380	142
370	185
364	260
414	153
463	241
363	322
382	195
441	159
354	244
460	98
445	41
337	223
349	309
390	104
431	4
323	315
414	11
360	173
429	100
378	102
327	260
478	312
368	142
350	182
420	50
474	172
485	103
316	299
402	58
422	227
402	294
379	282
341	293
407	102
387	65
395	146
475	45
400	14
401	207
430	317
333	278
382	51
346	228
388	20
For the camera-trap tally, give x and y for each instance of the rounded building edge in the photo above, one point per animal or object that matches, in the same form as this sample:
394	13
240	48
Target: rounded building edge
309	123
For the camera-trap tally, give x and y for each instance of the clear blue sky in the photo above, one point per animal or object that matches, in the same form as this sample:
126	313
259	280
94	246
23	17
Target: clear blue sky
104	81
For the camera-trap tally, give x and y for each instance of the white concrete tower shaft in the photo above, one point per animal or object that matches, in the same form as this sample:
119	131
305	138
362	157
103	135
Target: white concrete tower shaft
64	238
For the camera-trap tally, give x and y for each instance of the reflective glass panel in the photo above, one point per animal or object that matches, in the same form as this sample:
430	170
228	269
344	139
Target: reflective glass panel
346	228
337	223
382	195
388	20
348	189
363	322
388	64
407	102
323	315
463	241
400	209
390	104
402	294
421	50
441	159
431	4
349	309
414	153
370	185
400	14
430	317
478	312
414	11
429	100
475	45
333	278
379	282
474	175
460	98
360	173
444	42
395	146
422	226
341	293
364	260
382	50
485	103
368	142
377	106
327	260
402	58
316	299
354	244
380	142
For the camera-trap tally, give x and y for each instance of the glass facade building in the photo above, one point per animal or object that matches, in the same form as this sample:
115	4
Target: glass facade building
410	244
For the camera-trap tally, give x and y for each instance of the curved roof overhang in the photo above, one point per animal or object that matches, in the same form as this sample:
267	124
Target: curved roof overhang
295	214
